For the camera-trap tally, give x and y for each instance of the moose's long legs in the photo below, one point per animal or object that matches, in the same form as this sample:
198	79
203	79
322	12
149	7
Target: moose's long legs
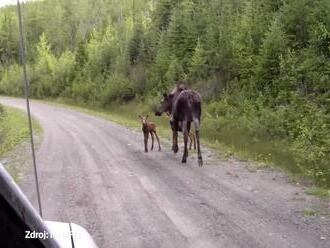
199	153
185	130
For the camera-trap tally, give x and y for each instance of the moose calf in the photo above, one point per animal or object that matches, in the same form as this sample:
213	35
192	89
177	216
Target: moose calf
192	138
149	127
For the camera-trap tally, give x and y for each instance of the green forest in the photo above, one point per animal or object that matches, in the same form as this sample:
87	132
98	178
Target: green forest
261	66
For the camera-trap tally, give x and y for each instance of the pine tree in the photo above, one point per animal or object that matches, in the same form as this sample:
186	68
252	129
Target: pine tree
197	67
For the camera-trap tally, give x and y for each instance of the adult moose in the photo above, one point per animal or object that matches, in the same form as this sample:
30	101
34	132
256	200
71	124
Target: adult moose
184	105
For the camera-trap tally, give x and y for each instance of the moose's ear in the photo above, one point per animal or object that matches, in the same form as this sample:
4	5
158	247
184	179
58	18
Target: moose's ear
165	95
147	116
140	117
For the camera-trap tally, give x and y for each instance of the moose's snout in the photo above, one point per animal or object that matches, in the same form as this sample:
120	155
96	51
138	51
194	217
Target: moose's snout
158	113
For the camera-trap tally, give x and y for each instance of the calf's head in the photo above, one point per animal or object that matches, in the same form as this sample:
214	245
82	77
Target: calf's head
144	119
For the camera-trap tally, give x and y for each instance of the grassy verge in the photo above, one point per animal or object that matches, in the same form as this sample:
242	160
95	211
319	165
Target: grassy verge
320	192
13	132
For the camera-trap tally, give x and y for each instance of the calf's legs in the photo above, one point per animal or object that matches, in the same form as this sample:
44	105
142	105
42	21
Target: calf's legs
152	141
192	140
159	149
145	142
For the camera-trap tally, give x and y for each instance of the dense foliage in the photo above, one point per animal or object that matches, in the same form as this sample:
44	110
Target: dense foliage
262	66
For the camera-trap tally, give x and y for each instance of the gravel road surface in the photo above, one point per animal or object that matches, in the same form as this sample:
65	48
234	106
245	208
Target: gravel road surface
95	173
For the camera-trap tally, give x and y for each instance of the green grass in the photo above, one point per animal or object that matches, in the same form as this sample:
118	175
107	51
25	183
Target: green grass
309	212
238	141
320	192
14	132
318	211
14	129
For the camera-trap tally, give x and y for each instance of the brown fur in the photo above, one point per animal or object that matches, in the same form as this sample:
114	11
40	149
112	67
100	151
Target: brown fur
149	128
192	138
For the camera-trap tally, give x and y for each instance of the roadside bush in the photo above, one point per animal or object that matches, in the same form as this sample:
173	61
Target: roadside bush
101	50
84	90
117	88
311	145
301	125
11	82
138	75
63	73
41	75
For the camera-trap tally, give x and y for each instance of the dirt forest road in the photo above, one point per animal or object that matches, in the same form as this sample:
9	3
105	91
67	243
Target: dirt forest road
95	173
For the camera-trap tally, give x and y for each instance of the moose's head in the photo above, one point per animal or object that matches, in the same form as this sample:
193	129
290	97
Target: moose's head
168	99
165	104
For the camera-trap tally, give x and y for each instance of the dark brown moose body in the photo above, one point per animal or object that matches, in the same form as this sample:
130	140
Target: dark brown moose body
185	107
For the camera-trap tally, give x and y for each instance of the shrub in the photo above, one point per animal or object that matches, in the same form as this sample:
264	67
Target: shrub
11	82
117	88
311	144
63	73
